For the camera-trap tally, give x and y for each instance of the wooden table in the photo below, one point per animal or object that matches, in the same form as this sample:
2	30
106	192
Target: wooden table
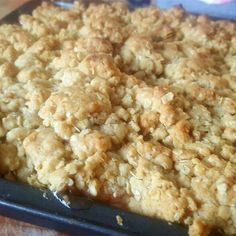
10	227
7	6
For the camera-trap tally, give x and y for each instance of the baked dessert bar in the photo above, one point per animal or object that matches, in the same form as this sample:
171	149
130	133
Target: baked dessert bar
136	109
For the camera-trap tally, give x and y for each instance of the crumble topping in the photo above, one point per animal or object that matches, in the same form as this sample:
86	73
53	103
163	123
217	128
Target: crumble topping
137	109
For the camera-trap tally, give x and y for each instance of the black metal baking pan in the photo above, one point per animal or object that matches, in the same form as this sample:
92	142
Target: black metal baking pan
83	216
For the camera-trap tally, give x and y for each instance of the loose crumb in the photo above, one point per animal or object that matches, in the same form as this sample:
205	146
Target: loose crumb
119	220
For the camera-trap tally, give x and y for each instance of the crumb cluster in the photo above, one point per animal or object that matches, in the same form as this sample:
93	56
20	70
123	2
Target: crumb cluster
137	109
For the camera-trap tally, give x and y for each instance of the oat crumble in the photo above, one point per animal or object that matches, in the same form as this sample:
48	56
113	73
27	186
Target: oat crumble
132	108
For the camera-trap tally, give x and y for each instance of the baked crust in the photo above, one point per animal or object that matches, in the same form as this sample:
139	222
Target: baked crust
133	108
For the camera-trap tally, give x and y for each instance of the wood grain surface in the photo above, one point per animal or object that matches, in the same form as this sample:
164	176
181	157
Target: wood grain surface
7	6
10	227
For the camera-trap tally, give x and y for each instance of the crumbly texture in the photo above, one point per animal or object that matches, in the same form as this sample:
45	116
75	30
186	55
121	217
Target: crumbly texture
137	109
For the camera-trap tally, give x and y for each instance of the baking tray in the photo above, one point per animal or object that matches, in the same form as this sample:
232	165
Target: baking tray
83	216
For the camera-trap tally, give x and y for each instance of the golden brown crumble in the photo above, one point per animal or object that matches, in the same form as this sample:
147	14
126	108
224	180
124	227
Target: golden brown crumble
132	108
